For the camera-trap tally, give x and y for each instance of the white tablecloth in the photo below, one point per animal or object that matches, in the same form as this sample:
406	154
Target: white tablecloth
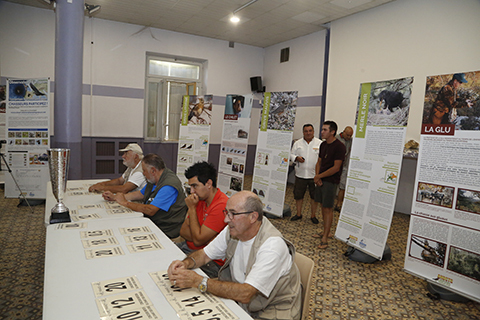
69	275
72	201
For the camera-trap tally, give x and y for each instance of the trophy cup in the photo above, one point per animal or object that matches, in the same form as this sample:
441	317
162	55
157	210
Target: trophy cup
58	162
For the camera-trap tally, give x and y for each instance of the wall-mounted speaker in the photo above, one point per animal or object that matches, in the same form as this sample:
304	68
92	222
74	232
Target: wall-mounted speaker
256	84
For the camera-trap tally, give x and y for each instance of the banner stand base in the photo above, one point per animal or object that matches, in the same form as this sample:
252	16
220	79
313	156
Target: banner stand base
445	294
32	202
359	256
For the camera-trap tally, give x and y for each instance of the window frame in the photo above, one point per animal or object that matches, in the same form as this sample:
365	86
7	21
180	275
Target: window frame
198	86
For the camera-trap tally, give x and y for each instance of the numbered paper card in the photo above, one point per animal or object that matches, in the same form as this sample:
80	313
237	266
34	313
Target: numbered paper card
123	302
146	313
74	212
96	233
76	193
73	189
115	286
141	238
66	226
85	217
89	206
98	242
121	210
217	311
190	303
143	229
142	247
103	253
113	205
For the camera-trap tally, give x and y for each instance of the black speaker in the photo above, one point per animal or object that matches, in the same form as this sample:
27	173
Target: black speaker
256	84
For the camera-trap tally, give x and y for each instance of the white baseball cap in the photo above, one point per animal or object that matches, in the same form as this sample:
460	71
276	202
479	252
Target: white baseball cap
133	147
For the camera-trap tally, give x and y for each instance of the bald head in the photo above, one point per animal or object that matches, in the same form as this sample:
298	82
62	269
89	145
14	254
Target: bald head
249	201
347	133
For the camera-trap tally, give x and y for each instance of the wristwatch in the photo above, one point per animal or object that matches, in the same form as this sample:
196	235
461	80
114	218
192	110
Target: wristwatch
203	285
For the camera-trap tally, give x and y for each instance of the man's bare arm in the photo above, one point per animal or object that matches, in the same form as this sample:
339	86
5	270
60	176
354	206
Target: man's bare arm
124	188
180	275
337	165
100	186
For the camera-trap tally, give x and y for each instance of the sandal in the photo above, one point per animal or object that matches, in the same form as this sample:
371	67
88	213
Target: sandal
323	245
320	235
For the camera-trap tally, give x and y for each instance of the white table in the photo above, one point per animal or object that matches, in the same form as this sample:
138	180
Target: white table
69	275
72	201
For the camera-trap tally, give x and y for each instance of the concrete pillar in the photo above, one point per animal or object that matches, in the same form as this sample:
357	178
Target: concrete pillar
68	81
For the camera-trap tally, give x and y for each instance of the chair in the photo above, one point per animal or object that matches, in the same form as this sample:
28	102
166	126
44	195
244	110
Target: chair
305	266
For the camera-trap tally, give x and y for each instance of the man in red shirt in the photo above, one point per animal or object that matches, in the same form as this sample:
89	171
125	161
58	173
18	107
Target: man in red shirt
205	218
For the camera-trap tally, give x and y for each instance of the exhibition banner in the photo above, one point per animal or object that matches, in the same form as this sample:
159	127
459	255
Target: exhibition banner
3	114
273	149
375	163
444	237
233	150
194	136
28	138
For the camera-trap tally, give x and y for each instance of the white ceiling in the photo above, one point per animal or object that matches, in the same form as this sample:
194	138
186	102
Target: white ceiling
263	23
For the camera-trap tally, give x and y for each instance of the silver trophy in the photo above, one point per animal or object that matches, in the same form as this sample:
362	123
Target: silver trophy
58	162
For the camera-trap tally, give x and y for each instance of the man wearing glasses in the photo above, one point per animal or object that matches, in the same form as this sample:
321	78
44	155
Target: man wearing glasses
259	272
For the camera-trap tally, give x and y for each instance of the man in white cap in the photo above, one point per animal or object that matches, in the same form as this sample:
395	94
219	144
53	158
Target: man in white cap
132	179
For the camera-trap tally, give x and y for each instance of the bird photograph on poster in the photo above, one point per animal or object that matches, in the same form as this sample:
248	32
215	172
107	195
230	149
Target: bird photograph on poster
200	110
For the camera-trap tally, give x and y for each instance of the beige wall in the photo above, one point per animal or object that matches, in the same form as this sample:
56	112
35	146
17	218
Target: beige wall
400	39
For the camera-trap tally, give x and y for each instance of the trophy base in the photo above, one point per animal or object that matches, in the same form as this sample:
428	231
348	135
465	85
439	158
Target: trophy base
62	217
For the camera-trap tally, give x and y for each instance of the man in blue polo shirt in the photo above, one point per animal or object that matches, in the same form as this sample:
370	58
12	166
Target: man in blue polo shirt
163	199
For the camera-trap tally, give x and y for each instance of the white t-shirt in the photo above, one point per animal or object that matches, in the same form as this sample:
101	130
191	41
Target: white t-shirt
136	177
309	151
272	262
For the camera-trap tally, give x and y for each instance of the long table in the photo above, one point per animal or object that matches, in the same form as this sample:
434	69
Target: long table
75	266
77	195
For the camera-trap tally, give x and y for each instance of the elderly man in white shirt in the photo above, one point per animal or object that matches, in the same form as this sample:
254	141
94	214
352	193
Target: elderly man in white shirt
305	155
132	179
259	271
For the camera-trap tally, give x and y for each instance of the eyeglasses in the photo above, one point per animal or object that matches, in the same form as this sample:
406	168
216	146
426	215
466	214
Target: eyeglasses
230	214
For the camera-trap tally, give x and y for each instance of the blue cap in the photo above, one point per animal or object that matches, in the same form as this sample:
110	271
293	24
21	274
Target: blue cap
460	77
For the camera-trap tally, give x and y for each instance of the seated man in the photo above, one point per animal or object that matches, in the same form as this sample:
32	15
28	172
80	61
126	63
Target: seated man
163	199
132	179
259	271
205	212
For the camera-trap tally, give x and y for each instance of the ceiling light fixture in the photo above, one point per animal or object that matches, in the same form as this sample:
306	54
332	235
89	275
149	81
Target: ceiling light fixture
236	19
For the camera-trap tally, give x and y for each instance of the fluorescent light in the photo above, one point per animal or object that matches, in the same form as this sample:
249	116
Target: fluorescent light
234	19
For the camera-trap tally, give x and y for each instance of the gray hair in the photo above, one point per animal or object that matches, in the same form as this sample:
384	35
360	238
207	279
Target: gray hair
154	160
253	203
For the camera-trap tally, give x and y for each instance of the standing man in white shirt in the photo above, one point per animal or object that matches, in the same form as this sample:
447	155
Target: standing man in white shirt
305	155
132	179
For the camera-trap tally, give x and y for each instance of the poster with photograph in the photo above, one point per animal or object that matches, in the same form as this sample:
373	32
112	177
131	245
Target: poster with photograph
27	136
444	237
375	164
233	149
194	137
3	111
273	149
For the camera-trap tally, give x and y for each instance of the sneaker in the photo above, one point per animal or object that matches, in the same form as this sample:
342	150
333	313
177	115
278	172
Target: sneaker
295	218
314	220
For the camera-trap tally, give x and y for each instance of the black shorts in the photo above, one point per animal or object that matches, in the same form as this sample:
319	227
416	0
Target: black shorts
301	186
326	194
